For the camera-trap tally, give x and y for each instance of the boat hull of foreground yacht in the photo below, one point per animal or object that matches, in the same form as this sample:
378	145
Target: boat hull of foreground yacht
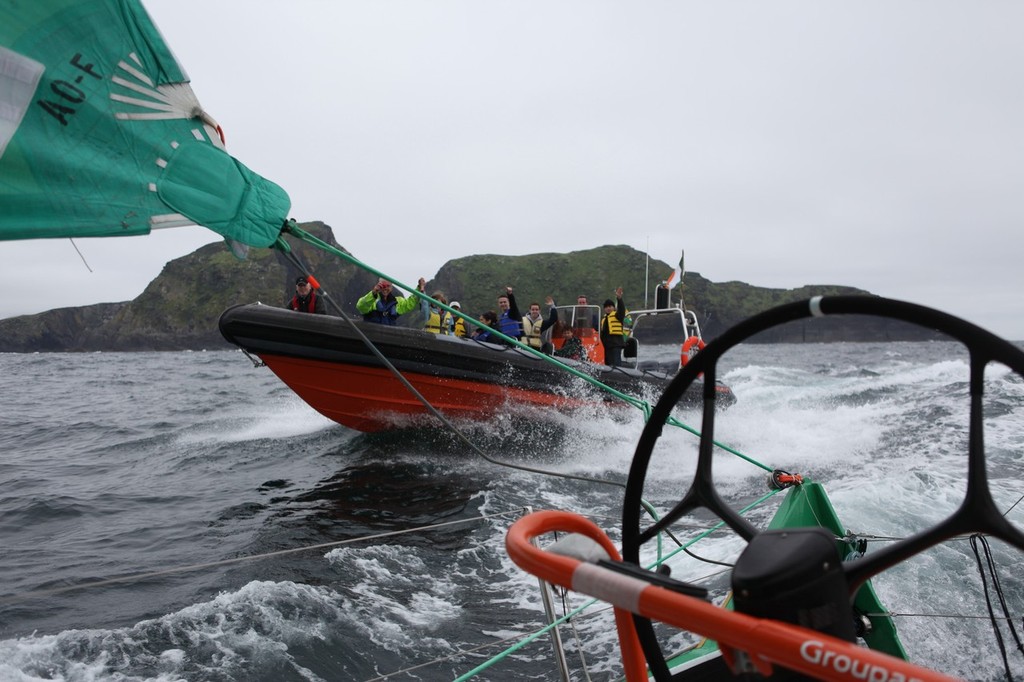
359	374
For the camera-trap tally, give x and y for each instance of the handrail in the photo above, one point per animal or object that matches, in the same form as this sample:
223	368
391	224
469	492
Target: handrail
583	607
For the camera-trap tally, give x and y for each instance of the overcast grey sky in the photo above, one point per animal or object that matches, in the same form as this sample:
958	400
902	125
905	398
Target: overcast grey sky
871	144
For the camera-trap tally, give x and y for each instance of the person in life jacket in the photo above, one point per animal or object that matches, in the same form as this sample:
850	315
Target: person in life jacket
535	326
510	320
437	320
381	306
488	323
459	325
611	330
305	299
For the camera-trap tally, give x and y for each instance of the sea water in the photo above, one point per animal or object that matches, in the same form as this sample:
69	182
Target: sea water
118	470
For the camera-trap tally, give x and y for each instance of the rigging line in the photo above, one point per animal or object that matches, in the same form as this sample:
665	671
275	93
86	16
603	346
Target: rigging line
522	641
698	557
888	538
709	531
238	560
1007	512
898	614
80	254
896	538
294	229
579	613
294	260
454	429
580	649
449	657
564	598
291	227
477	649
989	564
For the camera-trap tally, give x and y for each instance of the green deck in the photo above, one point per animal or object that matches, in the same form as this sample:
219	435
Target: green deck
808	505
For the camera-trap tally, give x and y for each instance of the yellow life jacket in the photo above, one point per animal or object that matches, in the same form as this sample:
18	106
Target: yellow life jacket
614	324
460	327
531	331
439	322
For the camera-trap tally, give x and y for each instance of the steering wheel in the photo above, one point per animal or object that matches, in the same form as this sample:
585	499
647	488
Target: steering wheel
976	514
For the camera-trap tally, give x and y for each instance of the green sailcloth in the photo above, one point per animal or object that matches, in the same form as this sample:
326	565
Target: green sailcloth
101	135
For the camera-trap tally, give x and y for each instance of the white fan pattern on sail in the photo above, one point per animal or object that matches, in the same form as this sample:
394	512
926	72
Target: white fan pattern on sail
162	102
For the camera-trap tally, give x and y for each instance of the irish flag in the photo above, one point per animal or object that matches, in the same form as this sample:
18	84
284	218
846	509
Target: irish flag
677	274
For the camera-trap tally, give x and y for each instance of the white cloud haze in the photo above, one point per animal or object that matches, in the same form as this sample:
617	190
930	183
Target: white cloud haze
874	144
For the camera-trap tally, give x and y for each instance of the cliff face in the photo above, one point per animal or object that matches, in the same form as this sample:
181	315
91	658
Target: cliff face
58	330
180	308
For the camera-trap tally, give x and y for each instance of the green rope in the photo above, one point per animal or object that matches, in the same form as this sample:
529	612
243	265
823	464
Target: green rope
315	241
643	405
756	503
293	228
497	658
686	427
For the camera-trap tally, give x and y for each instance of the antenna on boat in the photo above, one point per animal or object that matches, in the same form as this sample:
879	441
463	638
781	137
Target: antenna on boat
647	270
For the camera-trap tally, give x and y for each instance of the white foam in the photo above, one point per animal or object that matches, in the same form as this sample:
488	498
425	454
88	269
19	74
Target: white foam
234	635
393	597
285	418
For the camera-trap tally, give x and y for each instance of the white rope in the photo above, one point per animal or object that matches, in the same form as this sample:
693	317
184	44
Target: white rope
964	616
237	560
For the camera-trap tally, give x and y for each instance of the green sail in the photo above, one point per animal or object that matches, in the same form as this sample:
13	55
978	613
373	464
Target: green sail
101	135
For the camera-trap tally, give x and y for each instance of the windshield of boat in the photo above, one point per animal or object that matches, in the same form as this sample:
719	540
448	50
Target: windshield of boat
579	316
660	326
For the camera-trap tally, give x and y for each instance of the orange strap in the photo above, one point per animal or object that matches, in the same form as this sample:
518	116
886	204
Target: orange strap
768	641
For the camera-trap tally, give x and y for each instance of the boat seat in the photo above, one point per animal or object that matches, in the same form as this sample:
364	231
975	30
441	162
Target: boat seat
629	353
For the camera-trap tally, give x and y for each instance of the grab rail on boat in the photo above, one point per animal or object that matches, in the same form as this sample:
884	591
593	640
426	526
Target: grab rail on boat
756	642
554	623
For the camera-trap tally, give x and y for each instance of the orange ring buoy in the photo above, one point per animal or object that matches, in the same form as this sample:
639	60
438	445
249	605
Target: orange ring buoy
688	345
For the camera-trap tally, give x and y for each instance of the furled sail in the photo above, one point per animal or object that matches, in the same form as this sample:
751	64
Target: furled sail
101	134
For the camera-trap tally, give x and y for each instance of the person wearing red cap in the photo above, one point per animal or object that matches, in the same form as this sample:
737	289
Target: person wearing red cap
381	306
305	299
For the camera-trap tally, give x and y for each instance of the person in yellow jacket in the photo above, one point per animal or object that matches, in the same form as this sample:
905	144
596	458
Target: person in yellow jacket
534	325
611	330
459	327
437	319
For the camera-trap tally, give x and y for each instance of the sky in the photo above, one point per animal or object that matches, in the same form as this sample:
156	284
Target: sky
875	144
